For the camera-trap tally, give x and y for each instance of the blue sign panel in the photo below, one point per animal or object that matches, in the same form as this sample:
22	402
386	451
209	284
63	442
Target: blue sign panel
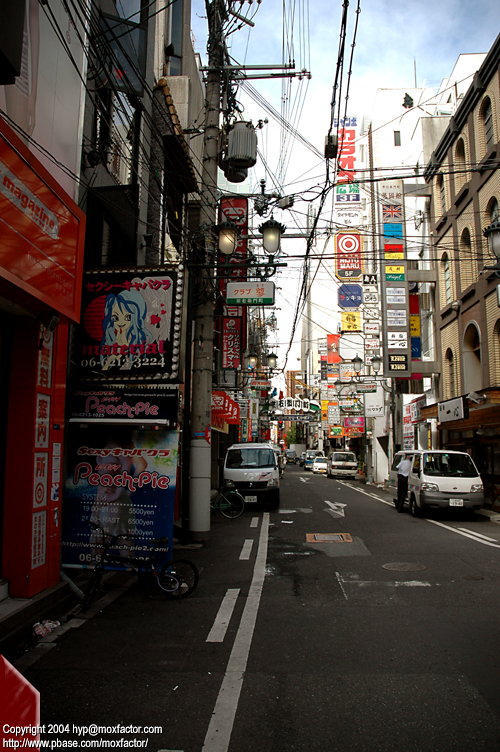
393	230
416	348
350	296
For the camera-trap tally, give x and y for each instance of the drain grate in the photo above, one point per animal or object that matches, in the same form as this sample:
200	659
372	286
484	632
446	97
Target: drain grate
328	538
404	566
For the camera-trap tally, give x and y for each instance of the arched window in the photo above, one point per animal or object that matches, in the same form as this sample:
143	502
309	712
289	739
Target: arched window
493	210
446	276
450	365
460	165
442	193
466	267
473	378
487	117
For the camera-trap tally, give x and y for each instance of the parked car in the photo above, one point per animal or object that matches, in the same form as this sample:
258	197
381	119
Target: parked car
311	455
253	469
319	465
439	478
342	464
290	456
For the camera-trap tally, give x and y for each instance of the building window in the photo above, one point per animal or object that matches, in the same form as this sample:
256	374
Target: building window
445	268
450	362
460	165
471	349
397	138
489	135
442	192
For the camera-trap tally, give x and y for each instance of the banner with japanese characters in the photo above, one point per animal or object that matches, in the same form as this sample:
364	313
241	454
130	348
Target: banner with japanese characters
349	256
130	326
231	342
124	480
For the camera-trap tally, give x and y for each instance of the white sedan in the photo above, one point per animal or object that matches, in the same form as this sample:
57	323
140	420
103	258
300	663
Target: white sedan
319	465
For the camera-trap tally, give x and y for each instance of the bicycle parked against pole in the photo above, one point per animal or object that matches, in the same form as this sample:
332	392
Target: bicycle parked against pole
176	579
230	503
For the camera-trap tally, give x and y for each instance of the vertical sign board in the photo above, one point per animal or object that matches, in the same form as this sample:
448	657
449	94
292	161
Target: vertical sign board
394	281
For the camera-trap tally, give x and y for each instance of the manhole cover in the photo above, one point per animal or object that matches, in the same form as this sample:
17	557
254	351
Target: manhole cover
472	577
328	538
404	566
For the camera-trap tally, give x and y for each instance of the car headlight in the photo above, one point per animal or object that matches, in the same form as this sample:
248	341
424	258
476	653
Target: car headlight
477	488
272	483
429	487
228	483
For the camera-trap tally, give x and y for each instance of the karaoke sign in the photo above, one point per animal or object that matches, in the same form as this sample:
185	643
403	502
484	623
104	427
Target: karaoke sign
348	256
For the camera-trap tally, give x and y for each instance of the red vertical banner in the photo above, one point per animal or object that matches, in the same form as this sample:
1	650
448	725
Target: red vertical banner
231	342
332	341
235	210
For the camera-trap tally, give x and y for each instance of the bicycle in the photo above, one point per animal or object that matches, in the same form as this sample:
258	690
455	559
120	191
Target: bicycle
176	579
230	503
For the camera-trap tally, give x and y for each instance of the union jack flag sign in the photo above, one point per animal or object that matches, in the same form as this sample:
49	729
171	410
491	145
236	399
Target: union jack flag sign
392	211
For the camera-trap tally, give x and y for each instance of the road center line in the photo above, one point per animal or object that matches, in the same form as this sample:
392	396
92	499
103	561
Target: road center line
221	623
220	728
371	495
254	522
246	550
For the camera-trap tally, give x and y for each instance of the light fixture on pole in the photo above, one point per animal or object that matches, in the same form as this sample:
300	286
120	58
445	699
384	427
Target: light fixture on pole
492	235
228	237
376	364
252	359
271	235
272	360
357	364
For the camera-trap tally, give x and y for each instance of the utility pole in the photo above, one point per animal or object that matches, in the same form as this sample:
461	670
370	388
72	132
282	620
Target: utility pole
201	406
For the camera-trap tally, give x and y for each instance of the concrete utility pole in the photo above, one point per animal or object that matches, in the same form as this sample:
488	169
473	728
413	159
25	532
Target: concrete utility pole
201	407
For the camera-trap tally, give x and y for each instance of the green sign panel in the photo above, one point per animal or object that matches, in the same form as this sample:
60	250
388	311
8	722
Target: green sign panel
395	277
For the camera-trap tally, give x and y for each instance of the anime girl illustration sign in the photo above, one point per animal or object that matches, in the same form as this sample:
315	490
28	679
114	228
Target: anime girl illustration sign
130	325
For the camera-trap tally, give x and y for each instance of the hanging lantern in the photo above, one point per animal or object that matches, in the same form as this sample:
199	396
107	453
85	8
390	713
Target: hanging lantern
242	145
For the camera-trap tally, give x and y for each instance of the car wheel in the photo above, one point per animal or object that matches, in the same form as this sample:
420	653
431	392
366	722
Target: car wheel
414	510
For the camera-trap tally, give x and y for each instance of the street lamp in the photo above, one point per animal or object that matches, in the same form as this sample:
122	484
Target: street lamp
252	360
376	364
228	237
357	364
492	235
272	360
271	235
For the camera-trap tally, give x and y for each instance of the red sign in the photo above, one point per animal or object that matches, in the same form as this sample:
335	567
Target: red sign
333	348
231	342
235	210
43	230
349	255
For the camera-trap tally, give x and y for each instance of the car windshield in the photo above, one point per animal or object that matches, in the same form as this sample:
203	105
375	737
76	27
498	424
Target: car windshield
251	457
344	457
451	465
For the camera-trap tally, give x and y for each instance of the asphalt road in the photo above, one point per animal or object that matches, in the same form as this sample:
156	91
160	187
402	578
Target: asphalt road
382	638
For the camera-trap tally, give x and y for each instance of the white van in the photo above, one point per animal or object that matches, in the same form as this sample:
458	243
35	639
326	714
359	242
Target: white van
253	469
439	478
342	464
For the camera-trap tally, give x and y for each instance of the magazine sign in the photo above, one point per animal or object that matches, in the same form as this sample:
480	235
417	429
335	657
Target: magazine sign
131	325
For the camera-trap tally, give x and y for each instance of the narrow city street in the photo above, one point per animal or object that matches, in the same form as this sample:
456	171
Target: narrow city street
333	623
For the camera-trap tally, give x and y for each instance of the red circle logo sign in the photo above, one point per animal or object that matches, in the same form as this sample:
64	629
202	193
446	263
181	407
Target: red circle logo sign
347	243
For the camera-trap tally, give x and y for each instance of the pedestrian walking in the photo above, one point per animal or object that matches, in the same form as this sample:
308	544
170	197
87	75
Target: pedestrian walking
403	473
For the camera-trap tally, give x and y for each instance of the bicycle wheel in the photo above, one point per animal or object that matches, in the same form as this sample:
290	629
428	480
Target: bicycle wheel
231	504
178	578
92	588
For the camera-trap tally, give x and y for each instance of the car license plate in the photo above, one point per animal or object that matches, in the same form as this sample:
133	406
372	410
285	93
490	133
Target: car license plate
251	499
456	502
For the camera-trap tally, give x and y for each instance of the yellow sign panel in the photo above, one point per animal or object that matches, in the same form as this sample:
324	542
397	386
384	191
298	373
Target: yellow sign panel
415	326
394	270
393	256
351	322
